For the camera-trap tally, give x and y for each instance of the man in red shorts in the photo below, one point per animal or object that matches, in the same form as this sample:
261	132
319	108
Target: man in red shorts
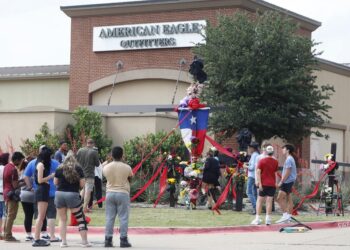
266	181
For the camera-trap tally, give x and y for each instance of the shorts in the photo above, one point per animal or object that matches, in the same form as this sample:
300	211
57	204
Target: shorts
67	199
89	184
287	187
267	191
51	211
2	209
42	193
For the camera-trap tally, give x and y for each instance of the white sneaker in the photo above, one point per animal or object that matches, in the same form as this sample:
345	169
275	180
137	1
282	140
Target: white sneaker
63	245
285	218
268	221
256	221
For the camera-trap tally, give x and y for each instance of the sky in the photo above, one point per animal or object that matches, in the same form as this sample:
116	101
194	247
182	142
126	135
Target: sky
37	32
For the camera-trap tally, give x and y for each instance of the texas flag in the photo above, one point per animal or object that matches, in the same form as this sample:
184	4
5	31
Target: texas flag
193	124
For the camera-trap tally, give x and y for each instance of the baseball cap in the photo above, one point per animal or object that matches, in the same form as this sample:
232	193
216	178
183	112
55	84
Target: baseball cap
269	150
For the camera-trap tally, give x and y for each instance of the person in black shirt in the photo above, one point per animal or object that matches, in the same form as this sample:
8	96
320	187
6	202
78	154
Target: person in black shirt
211	176
41	177
69	179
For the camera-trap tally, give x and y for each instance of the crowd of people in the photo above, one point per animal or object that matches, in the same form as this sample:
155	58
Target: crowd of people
262	182
53	184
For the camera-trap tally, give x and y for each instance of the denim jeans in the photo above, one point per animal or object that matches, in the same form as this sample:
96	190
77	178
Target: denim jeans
117	203
252	191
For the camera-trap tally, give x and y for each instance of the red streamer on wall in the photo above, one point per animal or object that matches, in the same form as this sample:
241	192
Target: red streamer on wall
138	165
149	181
162	185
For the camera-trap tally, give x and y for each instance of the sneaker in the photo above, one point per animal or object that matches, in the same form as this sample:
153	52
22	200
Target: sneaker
268	221
63	245
45	237
56	239
86	244
11	239
285	218
256	221
29	238
40	243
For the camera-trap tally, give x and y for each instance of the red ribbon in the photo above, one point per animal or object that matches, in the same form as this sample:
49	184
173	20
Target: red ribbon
222	197
222	150
314	192
234	195
149	181
138	165
162	185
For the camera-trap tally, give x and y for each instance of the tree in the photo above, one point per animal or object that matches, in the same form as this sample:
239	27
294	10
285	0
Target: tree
260	75
88	124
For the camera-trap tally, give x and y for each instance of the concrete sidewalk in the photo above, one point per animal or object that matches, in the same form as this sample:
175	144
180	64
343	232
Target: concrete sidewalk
205	230
315	239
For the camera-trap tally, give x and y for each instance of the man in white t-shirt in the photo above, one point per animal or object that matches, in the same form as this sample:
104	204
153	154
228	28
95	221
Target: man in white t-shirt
118	176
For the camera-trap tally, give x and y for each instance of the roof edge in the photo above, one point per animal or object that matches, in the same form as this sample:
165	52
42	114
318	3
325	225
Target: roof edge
333	67
173	5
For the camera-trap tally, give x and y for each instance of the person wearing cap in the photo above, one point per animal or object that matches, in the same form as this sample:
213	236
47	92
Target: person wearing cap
252	193
266	173
88	159
61	152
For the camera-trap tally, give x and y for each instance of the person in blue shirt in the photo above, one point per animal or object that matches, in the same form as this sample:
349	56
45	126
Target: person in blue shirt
289	175
61	152
252	191
51	210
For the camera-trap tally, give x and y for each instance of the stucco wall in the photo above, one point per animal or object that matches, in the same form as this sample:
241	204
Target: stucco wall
17	94
20	125
340	116
123	127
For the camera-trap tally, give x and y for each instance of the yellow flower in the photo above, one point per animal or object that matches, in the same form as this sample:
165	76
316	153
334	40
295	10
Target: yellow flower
171	180
231	170
178	158
198	171
328	157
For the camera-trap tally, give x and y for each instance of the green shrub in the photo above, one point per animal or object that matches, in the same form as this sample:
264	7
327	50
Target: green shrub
88	124
44	137
138	148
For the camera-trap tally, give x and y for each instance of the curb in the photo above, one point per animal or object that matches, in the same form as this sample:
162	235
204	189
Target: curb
207	230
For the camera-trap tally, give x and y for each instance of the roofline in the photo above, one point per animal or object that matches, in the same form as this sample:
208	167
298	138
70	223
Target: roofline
34	75
333	67
123	8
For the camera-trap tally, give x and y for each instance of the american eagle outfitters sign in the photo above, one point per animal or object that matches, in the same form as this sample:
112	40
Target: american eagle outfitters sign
149	36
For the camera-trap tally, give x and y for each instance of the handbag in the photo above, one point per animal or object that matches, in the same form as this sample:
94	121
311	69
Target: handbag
13	195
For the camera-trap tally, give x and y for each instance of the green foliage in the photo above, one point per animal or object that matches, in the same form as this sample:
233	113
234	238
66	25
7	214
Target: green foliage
44	137
88	124
137	148
260	71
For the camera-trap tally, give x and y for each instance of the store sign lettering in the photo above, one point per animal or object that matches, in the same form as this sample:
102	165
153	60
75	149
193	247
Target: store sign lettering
148	36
